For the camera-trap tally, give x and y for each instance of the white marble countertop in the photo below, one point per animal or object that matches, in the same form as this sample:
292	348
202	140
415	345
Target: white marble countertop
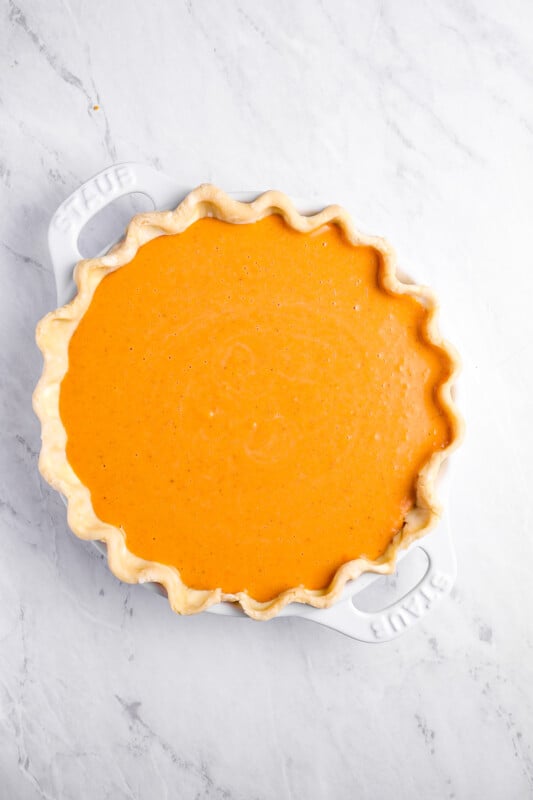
419	117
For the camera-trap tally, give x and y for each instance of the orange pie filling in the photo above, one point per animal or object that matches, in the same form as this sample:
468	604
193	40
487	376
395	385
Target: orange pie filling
251	406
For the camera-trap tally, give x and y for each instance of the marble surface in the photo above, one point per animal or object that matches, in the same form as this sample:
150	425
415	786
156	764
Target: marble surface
419	117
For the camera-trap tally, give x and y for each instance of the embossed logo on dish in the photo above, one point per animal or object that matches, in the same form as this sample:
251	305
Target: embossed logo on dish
93	196
405	613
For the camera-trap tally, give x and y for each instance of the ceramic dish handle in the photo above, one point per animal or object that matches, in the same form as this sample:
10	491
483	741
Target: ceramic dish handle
90	198
390	622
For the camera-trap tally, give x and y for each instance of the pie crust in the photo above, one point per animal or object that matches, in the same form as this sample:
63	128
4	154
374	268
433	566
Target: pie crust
53	337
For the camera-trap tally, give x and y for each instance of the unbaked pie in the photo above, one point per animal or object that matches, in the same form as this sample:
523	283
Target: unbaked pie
246	404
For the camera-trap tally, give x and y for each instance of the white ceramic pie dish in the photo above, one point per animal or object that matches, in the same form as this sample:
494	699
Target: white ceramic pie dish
376	626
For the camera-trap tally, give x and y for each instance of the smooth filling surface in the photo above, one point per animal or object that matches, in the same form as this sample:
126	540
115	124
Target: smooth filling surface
250	406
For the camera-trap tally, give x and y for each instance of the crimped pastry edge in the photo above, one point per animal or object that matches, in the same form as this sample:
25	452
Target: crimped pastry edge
53	335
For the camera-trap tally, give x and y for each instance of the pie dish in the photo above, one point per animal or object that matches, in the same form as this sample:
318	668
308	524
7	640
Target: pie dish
246	404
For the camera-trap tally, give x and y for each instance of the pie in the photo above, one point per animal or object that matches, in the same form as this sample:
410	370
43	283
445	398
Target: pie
246	404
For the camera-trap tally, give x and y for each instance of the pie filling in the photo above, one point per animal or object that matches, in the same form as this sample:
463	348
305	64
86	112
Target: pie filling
251	406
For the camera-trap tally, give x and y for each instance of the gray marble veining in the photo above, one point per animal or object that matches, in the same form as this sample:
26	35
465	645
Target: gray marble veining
417	116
